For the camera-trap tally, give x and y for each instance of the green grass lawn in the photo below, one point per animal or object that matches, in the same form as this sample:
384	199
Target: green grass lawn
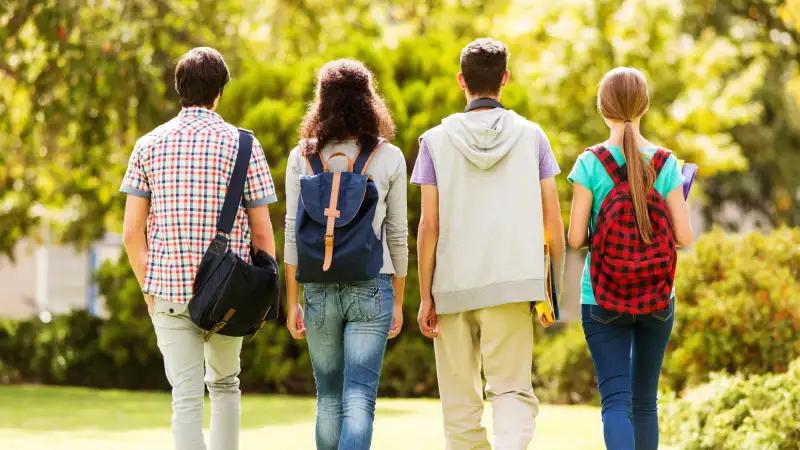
49	418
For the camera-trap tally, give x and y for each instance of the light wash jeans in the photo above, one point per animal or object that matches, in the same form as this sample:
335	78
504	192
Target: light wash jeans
347	326
186	358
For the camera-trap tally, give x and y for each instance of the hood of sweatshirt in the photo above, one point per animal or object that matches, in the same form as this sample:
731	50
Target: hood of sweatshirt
484	137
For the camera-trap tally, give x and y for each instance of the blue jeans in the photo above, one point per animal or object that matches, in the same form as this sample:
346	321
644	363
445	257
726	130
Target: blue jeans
347	326
628	351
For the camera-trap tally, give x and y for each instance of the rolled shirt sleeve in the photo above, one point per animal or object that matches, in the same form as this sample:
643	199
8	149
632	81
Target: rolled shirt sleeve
259	189
135	181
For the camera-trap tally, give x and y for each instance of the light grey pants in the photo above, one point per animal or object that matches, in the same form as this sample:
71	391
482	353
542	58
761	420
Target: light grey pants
192	364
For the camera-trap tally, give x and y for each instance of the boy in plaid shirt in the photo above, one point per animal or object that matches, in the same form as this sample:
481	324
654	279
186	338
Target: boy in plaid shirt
176	183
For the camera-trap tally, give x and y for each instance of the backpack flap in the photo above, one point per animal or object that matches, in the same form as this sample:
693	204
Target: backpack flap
315	193
333	199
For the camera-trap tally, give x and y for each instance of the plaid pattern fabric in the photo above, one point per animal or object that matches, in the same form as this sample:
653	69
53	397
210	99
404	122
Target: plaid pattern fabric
628	275
184	167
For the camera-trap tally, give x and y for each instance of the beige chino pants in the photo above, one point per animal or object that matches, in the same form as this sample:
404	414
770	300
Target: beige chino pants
499	340
192	364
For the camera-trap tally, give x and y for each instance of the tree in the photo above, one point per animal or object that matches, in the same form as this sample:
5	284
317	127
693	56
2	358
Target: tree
770	141
79	83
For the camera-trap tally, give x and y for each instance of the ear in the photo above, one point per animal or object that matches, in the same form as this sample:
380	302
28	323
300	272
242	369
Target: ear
461	81
506	76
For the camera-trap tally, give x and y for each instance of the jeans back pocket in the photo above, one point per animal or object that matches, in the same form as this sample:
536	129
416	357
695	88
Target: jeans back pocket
314	305
602	315
665	314
364	299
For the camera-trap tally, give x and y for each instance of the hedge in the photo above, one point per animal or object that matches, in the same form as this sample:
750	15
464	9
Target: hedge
738	311
738	306
737	412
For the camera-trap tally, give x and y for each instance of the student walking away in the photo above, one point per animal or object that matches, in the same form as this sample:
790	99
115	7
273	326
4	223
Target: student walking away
347	244
489	205
629	201
177	181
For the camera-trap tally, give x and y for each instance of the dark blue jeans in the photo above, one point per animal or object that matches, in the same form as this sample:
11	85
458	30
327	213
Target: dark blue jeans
347	326
628	351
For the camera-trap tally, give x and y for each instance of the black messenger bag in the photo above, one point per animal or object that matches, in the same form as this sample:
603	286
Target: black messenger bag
230	296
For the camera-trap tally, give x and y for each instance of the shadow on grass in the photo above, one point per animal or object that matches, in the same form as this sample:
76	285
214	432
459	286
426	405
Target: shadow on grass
66	409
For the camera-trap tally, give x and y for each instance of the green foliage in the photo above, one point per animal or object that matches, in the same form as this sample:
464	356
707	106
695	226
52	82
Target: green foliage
737	412
562	367
78	84
765	30
738	306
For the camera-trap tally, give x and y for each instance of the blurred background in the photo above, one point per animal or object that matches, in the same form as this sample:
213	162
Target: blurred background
81	80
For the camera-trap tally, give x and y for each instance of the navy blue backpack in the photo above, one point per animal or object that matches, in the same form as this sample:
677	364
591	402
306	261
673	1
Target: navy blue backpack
335	239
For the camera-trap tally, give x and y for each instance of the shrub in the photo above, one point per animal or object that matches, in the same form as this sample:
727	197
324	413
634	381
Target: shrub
738	306
760	412
562	367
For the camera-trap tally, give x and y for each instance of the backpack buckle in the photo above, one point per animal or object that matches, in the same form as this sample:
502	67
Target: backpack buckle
326	263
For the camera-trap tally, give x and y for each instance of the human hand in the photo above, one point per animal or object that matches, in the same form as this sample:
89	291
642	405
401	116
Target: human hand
397	322
150	300
294	322
427	318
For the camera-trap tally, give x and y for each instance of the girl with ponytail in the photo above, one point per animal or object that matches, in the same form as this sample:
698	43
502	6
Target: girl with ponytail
628	195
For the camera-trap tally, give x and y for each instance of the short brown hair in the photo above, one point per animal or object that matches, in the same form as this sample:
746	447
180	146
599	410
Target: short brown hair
200	76
483	63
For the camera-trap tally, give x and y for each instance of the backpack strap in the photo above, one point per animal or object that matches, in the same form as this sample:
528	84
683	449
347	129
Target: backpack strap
316	163
236	184
608	162
364	158
659	159
332	212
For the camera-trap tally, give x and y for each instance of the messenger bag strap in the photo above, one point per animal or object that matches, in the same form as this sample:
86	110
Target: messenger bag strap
236	185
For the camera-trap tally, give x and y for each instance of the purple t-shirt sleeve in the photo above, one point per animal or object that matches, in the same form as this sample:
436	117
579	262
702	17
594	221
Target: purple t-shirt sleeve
424	172
548	166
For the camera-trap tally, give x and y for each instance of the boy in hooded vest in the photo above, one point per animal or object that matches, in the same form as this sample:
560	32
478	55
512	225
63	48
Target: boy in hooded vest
489	204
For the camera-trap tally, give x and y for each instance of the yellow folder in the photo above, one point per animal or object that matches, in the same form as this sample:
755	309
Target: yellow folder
547	310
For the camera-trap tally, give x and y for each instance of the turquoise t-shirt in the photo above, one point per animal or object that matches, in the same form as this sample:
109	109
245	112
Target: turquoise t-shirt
591	174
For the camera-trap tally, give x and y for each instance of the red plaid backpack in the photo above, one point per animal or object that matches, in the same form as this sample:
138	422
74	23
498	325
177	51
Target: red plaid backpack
628	275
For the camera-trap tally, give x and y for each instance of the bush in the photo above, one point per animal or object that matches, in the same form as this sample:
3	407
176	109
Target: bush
738	306
121	351
760	412
562	367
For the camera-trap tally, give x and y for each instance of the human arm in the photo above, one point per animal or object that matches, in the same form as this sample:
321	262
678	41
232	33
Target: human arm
678	212
259	191
137	210
427	239
553	228
579	216
134	229
397	238
294	319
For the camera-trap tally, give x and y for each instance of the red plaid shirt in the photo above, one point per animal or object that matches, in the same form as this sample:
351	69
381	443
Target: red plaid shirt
184	167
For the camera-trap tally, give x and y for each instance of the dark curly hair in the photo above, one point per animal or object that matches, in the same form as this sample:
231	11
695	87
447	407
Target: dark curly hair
345	106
